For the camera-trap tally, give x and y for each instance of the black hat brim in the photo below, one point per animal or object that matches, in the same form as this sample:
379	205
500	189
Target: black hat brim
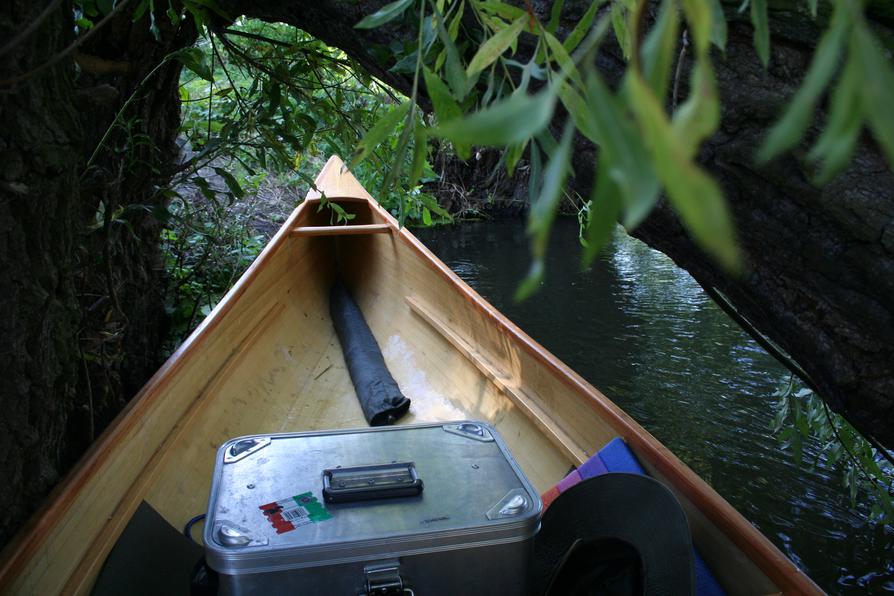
605	515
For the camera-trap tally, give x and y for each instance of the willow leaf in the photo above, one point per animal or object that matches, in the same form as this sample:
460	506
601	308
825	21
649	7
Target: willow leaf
512	120
605	206
878	89
631	169
577	107
786	133
622	31
507	11
582	28
718	24
543	211
446	108
563	58
658	49
494	47
456	74
699	116
555	16
699	15
453	28
836	145
379	131
420	152
761	25
387	13
693	193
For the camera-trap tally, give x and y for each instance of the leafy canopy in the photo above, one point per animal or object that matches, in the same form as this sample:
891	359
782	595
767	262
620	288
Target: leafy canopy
487	93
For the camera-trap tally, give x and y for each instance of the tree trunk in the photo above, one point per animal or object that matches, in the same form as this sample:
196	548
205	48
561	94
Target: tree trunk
39	217
80	272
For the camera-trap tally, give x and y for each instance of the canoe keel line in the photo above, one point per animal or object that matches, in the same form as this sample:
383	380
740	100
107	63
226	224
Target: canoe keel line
267	360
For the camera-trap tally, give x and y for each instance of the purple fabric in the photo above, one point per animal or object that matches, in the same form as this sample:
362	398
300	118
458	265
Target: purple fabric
592	467
568	481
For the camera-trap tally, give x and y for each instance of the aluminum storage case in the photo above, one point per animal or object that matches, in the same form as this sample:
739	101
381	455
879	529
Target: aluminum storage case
433	508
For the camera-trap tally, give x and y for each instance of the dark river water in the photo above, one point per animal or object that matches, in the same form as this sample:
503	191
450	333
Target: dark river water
642	331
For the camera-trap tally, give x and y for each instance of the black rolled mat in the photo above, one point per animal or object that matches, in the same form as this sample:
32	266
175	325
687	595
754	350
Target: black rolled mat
380	397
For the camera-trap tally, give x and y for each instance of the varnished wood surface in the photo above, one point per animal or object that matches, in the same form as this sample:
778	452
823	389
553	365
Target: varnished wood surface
267	360
346	230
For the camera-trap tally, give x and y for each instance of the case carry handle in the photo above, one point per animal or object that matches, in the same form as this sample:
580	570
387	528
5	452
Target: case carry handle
377	481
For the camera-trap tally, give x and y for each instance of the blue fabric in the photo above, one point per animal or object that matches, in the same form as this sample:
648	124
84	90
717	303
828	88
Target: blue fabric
617	457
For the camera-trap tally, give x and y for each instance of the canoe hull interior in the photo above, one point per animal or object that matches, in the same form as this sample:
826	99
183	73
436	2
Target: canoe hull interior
267	360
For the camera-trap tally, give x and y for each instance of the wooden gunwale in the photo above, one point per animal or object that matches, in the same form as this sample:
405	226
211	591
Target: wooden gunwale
107	536
752	543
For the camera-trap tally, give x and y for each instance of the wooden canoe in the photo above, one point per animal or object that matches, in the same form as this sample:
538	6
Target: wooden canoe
267	360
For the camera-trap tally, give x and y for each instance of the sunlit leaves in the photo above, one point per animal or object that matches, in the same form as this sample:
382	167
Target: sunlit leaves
512	120
693	193
494	47
387	13
380	131
628	161
194	60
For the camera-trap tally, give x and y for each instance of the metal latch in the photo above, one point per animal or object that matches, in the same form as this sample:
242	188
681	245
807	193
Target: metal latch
383	579
243	448
469	430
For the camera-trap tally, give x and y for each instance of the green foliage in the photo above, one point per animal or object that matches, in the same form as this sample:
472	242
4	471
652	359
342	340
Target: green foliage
645	145
860	96
264	102
802	417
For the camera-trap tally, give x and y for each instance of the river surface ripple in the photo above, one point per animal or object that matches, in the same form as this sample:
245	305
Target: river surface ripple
642	331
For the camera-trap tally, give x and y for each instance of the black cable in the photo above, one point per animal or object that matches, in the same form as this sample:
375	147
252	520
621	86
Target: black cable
187	529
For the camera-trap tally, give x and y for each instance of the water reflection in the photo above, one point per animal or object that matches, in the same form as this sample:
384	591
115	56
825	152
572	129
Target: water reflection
640	329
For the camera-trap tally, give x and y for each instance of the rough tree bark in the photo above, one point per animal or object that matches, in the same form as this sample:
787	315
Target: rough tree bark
82	316
38	215
820	281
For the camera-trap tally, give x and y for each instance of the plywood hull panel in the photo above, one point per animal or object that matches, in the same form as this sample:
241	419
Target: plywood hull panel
267	360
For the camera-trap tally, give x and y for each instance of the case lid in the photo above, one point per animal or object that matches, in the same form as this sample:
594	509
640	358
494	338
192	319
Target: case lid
267	510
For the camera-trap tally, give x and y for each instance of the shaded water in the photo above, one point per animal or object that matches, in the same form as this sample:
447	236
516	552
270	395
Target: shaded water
642	331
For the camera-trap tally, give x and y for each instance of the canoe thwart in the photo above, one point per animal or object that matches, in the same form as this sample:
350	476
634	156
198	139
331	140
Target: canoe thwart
503	383
341	230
